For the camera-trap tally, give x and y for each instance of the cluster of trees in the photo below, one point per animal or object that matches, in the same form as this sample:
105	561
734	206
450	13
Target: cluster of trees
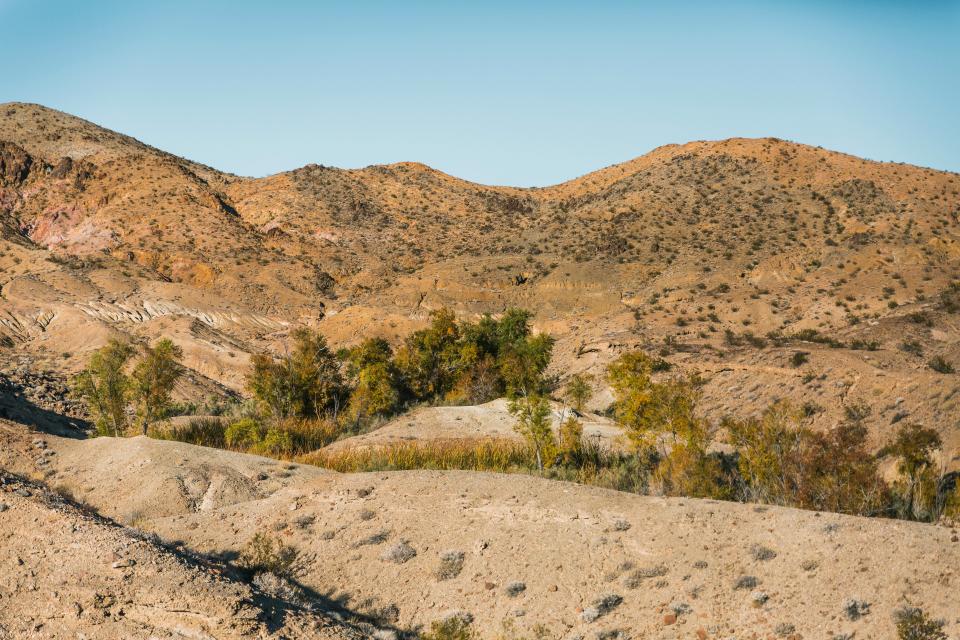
310	395
775	458
110	392
448	362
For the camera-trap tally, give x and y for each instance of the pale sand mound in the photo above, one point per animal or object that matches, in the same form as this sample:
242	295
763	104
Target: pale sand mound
490	420
376	543
66	574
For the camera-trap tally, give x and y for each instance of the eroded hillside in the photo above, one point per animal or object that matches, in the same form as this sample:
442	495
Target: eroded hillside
684	250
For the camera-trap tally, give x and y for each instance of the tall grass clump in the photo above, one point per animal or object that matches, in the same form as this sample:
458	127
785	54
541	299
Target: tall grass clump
500	455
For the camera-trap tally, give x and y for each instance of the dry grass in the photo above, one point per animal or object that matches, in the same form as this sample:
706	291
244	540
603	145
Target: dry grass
499	455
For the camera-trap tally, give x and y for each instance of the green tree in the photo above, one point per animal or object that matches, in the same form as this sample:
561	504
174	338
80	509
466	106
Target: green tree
429	359
571	440
305	383
578	391
375	393
629	376
533	423
153	380
523	363
104	387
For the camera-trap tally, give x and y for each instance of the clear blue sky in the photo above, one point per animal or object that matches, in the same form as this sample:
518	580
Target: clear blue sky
523	93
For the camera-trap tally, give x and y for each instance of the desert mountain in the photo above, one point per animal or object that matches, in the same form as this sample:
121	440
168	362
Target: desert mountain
771	269
693	249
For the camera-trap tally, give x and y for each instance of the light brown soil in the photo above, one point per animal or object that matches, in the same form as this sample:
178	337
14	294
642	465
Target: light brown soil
568	544
487	421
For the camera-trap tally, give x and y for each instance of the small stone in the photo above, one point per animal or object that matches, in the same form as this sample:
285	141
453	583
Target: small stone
23	493
670	618
551	588
4	507
120	564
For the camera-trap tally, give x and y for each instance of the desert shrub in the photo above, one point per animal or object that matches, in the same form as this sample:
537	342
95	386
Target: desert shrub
745	582
451	564
263	553
244	434
950	298
205	432
913	624
914	447
450	628
276	442
940	365
399	553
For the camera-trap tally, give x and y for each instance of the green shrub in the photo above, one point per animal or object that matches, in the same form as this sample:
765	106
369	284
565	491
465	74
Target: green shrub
913	624
244	434
205	432
940	365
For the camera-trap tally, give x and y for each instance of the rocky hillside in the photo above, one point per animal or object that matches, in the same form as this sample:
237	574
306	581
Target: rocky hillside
684	250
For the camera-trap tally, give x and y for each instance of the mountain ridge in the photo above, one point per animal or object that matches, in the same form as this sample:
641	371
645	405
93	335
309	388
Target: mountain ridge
683	251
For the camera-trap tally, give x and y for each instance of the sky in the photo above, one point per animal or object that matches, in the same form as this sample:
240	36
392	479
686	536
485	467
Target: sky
518	93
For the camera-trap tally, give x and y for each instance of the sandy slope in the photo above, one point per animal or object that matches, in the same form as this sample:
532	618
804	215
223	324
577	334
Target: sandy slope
491	420
68	574
569	545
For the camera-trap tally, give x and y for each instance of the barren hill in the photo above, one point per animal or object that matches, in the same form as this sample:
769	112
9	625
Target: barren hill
672	250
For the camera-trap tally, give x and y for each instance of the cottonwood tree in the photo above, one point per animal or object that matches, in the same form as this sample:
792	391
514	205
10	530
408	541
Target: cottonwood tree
533	423
304	383
104	386
578	392
153	380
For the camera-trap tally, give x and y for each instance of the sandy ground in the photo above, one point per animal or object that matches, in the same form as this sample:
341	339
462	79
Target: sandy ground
570	560
491	420
69	574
